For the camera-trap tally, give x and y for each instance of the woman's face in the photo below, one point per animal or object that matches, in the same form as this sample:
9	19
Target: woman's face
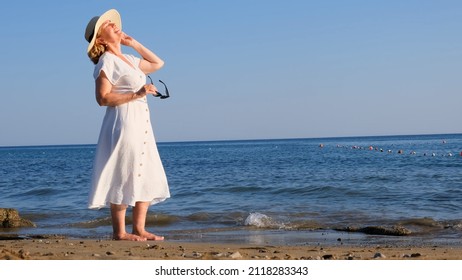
109	32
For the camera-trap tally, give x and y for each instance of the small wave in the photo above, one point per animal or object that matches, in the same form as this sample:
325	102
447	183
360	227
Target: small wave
422	223
244	189
229	218
262	221
106	221
151	220
199	217
161	220
38	191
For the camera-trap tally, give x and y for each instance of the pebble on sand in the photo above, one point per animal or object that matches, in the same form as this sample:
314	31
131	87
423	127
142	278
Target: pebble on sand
235	255
379	256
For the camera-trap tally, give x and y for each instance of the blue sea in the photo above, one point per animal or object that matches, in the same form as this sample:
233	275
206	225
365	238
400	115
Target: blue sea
291	191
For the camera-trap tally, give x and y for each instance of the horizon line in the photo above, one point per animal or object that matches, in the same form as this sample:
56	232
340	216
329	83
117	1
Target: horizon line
239	140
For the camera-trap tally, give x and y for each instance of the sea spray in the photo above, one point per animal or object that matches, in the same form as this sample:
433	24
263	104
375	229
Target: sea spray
260	220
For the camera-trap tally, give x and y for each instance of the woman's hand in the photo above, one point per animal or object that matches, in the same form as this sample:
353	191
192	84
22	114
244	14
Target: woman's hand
147	89
127	40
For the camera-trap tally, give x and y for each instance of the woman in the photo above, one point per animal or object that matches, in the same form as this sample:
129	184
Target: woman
127	169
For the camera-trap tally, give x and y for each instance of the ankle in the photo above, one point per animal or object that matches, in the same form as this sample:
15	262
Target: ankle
138	230
118	236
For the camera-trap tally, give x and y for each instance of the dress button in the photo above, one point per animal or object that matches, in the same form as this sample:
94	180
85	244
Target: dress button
139	175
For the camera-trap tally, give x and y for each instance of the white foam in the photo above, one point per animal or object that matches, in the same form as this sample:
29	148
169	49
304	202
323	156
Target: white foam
261	221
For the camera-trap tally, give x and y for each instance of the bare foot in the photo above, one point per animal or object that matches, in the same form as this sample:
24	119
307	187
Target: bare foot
129	237
150	236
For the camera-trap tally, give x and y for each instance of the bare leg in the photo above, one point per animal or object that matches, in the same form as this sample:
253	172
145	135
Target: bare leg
139	221
118	224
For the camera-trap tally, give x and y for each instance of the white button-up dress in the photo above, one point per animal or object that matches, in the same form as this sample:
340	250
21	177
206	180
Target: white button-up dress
127	166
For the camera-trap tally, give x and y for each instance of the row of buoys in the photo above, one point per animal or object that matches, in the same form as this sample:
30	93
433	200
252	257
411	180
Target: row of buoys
400	151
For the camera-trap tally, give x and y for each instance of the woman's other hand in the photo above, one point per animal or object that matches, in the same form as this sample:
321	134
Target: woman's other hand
147	89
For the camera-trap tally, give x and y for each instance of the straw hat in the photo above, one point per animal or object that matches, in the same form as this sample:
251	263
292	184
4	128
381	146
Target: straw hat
95	23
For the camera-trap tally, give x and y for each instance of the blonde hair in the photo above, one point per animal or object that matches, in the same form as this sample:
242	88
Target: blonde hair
96	52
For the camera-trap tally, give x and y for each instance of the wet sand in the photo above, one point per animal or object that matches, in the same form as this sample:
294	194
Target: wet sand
56	248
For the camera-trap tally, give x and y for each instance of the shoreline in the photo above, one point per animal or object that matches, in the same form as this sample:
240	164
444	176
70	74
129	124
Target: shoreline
62	248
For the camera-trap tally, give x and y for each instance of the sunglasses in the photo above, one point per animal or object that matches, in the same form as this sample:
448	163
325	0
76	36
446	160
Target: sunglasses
158	94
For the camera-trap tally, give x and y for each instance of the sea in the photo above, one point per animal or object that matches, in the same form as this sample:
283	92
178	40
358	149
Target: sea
381	190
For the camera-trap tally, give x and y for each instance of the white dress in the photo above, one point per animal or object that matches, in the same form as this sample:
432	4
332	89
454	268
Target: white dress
127	167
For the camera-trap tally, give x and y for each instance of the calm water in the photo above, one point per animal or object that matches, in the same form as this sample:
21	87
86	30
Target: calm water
279	191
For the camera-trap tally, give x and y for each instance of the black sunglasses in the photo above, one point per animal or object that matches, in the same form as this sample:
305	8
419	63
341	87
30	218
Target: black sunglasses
158	94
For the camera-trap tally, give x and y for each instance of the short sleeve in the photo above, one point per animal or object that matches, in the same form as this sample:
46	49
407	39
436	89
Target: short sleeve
107	64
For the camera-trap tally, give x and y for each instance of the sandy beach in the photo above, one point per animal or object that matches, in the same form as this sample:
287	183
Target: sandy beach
56	248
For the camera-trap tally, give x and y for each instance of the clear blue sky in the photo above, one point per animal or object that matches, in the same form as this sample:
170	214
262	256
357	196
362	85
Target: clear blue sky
241	69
